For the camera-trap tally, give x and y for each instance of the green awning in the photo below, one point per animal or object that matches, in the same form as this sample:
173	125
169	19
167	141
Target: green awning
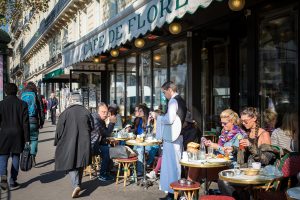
54	73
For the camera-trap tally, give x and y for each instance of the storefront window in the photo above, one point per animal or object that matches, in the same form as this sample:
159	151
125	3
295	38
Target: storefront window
120	86
145	78
243	74
179	67
159	76
278	65
112	92
131	96
221	79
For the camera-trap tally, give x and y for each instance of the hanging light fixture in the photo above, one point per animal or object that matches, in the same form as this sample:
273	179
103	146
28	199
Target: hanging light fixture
97	59
157	57
175	28
139	43
236	5
114	53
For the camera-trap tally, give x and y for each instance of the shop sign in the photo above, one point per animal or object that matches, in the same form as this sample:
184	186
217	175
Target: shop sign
146	18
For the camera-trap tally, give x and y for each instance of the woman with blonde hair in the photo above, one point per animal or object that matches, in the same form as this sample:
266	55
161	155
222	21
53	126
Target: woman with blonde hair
270	119
231	132
286	136
230	136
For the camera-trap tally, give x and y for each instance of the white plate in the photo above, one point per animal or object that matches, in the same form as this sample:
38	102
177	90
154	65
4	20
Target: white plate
217	160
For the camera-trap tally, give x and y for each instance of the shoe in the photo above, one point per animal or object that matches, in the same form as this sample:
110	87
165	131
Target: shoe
151	175
139	174
105	178
75	192
110	176
14	185
3	182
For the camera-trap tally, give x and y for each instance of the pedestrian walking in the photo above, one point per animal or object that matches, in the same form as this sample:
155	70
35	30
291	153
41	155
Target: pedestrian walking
172	140
36	120
101	141
52	103
72	141
14	133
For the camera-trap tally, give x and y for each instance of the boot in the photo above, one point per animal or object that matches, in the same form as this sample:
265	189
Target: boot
3	182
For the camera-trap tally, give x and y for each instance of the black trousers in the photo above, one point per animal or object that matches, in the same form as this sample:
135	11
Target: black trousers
53	116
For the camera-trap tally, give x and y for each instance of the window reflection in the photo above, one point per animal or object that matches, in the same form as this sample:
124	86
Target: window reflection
145	78
179	66
160	76
112	94
278	65
120	86
131	85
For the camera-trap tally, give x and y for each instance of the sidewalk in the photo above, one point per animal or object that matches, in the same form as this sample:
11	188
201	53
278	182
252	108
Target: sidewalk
42	183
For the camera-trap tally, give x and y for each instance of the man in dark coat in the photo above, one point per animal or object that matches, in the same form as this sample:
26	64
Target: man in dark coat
52	103
14	133
103	132
72	141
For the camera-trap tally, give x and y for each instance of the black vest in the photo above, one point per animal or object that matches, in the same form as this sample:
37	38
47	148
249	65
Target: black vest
182	109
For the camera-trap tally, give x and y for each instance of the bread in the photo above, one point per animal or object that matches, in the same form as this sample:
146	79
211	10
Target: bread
193	147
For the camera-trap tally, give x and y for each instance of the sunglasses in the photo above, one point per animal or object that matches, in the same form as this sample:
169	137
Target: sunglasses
224	123
246	121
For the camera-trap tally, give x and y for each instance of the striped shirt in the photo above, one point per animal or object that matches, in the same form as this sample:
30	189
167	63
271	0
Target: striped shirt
279	138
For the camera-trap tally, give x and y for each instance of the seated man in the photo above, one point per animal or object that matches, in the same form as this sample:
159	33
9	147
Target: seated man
102	142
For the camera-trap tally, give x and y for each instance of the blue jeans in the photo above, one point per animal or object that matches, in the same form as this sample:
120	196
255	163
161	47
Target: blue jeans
152	151
76	177
105	158
14	167
140	162
34	136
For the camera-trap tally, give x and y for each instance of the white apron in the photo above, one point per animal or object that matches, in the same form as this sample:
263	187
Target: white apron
170	167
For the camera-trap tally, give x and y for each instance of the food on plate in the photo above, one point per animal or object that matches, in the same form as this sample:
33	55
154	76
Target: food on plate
193	147
220	156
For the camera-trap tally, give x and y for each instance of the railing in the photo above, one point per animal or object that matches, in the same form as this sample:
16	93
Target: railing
45	24
53	60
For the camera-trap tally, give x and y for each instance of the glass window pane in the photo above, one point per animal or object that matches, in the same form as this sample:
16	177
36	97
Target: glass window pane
131	85
278	65
221	79
179	67
120	90
145	78
160	76
243	74
112	94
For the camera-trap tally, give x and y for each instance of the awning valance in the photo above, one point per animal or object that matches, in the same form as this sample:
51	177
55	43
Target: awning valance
136	20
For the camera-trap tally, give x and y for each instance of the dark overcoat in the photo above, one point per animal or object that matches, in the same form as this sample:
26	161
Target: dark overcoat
14	125
72	139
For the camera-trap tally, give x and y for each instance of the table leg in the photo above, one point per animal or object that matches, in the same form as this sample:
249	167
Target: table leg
144	183
175	194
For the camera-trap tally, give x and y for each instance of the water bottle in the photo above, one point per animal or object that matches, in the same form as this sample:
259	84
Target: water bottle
202	151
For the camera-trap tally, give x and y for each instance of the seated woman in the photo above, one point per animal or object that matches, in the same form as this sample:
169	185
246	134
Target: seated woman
286	137
230	136
270	119
257	148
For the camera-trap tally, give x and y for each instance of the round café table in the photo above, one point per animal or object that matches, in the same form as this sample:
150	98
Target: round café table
144	183
293	193
247	180
205	164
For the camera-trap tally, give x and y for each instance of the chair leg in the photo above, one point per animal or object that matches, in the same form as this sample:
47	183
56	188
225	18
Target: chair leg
175	194
134	170
125	173
118	174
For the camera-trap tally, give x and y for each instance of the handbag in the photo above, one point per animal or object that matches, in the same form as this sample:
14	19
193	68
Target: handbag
26	159
121	151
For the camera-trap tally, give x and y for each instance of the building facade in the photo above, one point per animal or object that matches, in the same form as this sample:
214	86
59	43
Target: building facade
219	58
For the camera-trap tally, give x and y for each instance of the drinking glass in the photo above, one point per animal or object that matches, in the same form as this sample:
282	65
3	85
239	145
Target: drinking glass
250	161
237	170
210	152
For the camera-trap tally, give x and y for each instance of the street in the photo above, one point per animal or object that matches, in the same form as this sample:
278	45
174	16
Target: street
42	183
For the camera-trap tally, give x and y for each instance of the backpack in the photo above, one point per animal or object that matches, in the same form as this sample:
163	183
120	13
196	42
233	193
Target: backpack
30	99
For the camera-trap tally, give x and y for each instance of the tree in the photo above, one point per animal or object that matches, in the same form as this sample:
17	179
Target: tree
12	10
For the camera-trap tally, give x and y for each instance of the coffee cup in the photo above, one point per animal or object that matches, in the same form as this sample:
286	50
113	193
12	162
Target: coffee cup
256	165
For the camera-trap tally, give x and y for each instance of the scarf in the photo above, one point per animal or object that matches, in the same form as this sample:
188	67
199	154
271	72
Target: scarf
228	135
